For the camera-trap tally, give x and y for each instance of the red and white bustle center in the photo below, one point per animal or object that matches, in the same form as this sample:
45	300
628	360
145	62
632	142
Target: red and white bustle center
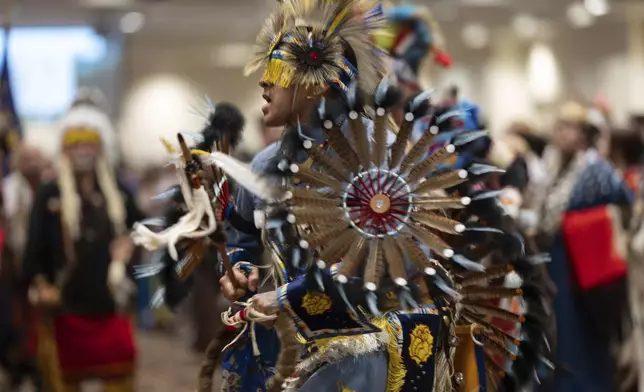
377	203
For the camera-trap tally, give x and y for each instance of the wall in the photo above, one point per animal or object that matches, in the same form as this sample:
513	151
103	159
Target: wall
590	61
167	84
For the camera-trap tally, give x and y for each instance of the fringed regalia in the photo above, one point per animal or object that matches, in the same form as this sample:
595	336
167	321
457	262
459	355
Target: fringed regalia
87	334
375	261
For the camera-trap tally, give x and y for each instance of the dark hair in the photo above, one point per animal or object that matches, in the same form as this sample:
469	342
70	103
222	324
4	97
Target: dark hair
349	54
626	145
536	143
453	92
591	134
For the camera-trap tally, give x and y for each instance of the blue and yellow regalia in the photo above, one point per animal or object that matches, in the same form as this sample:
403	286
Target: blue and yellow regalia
358	228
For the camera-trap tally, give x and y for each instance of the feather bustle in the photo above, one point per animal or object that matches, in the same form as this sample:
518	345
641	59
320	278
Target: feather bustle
375	268
309	198
312	177
438	222
493	311
380	138
398	148
417	151
330	164
489	327
394	258
428	165
333	253
477	292
318	238
441	181
340	144
314	216
360	141
439	203
414	252
432	241
353	258
472	278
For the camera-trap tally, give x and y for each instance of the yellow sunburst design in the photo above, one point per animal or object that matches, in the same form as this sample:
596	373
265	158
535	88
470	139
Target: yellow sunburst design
316	303
421	342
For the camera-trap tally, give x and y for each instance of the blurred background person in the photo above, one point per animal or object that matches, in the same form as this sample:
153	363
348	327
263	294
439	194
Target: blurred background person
75	260
626	153
155	60
410	36
18	190
527	173
581	226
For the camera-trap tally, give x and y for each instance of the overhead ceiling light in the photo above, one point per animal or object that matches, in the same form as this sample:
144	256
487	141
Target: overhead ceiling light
526	26
132	22
579	16
475	35
597	7
543	74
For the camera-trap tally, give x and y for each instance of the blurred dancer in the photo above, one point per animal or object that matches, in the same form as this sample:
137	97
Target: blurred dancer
580	224
411	35
75	260
18	190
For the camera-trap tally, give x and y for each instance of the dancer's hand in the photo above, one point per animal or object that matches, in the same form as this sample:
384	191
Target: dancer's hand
44	294
121	249
246	283
266	303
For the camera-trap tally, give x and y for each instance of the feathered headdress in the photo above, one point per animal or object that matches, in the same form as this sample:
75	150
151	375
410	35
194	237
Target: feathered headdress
87	121
305	42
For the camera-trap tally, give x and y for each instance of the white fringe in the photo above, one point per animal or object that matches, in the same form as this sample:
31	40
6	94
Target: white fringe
188	226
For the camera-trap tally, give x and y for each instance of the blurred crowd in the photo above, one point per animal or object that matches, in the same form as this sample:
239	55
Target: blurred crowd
575	189
540	186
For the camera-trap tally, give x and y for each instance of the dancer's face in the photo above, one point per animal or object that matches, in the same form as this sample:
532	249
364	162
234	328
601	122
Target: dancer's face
278	109
285	104
568	137
83	156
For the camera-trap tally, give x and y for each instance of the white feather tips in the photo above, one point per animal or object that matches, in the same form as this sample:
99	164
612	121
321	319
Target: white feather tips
245	177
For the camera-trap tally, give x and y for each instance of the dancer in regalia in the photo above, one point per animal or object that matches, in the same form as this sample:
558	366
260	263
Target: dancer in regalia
581	224
368	295
75	260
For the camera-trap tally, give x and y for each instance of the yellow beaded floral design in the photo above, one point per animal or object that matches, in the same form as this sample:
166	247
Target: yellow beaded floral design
344	389
316	303
420	346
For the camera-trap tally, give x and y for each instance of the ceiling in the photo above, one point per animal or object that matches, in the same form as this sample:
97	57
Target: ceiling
242	18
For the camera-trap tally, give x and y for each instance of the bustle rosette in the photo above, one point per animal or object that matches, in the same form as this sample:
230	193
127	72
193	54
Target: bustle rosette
383	212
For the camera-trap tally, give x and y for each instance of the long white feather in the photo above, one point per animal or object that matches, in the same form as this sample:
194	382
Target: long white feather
245	177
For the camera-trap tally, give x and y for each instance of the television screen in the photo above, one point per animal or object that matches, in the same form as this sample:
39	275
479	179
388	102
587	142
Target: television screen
46	64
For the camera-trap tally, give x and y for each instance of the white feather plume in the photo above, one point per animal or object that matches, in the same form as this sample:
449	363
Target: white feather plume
245	177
